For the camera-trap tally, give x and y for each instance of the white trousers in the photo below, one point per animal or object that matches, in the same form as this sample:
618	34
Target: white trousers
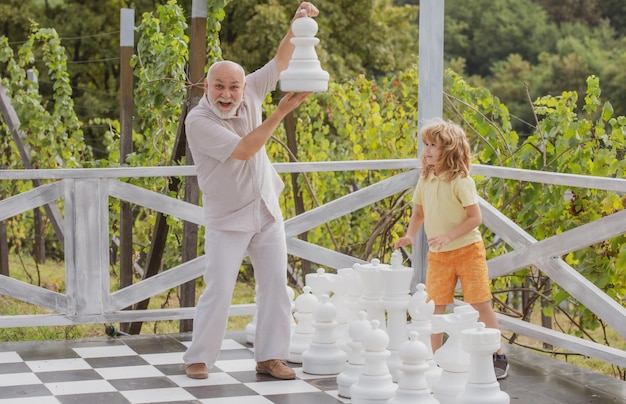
225	251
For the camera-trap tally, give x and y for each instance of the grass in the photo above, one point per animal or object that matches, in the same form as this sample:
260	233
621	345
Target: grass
51	276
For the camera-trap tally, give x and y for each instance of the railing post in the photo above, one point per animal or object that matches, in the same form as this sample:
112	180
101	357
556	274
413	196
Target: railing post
430	101
127	28
197	61
4	243
87	246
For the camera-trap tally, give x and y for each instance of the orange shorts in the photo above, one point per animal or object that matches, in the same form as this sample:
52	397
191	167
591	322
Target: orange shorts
469	264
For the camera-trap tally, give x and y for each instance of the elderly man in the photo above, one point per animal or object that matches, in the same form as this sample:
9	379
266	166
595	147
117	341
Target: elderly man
227	137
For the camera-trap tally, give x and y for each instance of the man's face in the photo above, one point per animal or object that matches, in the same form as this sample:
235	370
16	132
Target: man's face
224	90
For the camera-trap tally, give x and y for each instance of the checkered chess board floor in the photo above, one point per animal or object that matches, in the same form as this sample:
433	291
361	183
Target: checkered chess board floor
149	369
144	370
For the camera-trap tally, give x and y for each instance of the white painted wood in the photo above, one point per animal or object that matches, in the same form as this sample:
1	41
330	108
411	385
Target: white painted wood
546	177
127	316
320	255
127	27
86	193
504	227
28	293
89	221
30	200
556	246
163	281
349	203
161	203
573	344
543	177
585	292
175	171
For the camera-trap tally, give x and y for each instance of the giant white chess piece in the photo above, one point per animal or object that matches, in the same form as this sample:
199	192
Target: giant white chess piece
412	384
302	335
357	330
339	298
251	326
352	300
451	357
324	356
395	300
371	297
304	72
320	282
421	311
375	385
482	387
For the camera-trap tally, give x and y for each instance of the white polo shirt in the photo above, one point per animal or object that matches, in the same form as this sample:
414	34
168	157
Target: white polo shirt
236	193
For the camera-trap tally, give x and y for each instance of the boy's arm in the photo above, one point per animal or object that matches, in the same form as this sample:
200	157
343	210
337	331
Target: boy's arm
417	218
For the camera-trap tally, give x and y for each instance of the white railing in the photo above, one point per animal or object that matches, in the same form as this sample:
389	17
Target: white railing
88	299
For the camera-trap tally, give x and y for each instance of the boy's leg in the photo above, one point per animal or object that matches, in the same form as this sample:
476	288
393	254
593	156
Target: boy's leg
488	316
436	340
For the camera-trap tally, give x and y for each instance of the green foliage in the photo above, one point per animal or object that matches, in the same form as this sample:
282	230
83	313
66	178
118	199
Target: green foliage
355	120
51	131
358	118
486	31
160	67
350	36
589	142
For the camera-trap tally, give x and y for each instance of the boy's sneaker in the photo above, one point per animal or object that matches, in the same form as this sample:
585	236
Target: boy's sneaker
500	366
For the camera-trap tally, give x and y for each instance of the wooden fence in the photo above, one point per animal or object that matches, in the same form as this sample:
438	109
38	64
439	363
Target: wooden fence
88	298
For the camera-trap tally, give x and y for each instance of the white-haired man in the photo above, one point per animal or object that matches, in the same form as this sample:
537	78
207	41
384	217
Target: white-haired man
227	136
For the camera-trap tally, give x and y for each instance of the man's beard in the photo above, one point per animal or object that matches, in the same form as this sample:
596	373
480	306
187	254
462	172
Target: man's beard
229	114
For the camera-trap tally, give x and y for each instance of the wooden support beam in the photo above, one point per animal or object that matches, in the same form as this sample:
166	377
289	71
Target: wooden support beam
127	44
13	123
197	61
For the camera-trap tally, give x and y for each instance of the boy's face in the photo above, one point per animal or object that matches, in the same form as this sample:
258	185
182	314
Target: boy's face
432	151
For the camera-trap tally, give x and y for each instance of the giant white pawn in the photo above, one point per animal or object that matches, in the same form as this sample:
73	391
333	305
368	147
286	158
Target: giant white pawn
451	357
482	387
357	330
302	335
375	385
324	356
412	385
304	72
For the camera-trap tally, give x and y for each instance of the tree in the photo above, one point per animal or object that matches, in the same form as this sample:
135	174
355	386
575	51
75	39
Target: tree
572	11
374	38
486	31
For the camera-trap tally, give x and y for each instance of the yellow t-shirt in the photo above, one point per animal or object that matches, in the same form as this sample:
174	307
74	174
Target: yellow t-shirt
444	205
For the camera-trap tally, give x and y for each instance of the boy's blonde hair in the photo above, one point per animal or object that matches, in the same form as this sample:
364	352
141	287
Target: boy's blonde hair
455	156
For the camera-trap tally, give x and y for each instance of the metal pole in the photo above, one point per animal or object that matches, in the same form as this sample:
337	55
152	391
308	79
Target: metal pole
430	101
